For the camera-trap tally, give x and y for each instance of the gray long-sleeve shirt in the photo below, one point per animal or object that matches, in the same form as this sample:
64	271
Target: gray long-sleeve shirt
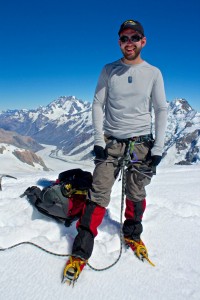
127	93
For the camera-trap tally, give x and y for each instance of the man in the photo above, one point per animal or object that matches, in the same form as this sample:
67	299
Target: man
127	89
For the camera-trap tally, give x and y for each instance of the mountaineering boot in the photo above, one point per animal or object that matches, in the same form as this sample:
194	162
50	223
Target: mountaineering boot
138	248
72	270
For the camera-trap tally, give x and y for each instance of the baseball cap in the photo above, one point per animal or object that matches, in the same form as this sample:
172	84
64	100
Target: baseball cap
135	25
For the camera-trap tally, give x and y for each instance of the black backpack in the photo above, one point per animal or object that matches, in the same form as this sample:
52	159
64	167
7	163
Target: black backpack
53	200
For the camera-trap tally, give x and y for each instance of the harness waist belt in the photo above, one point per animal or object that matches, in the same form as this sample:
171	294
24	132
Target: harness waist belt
138	139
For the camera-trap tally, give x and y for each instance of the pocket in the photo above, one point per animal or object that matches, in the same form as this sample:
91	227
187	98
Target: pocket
114	148
140	179
141	151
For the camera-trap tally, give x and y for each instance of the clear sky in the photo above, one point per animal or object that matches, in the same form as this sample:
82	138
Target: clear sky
57	48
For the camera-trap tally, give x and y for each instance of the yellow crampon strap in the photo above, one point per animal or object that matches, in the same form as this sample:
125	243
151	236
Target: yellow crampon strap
75	266
140	251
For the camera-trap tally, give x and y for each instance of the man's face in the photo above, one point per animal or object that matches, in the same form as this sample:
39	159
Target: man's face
131	44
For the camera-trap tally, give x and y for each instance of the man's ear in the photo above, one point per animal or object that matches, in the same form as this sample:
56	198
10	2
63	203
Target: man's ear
143	41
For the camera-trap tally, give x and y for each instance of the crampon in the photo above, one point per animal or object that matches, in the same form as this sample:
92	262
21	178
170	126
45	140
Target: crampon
139	249
72	270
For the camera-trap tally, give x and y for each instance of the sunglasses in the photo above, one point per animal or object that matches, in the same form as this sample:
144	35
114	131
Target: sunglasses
133	38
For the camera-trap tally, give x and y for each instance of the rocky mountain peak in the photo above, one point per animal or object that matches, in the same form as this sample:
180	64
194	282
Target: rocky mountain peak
180	106
67	123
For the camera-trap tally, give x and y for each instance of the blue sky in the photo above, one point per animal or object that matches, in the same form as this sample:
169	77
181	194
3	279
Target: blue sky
54	48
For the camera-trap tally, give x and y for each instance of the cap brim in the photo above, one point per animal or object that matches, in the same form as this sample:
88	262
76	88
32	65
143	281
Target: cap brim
134	27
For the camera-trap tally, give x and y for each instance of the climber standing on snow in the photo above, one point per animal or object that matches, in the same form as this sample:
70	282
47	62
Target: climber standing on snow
126	91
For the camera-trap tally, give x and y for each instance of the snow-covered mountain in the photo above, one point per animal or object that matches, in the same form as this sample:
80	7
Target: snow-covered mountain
67	124
15	139
18	150
20	159
182	144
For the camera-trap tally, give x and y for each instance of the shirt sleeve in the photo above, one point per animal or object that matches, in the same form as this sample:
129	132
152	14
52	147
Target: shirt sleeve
160	110
98	108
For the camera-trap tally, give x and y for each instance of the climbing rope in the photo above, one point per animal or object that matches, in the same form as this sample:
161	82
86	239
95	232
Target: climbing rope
35	245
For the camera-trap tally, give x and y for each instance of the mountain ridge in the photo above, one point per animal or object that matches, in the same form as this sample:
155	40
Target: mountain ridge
70	121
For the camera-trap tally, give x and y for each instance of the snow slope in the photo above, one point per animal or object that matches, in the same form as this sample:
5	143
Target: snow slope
171	234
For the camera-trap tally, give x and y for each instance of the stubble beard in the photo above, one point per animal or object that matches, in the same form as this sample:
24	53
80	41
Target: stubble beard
131	57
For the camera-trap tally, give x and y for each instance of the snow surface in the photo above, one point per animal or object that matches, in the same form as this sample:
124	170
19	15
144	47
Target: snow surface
171	234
